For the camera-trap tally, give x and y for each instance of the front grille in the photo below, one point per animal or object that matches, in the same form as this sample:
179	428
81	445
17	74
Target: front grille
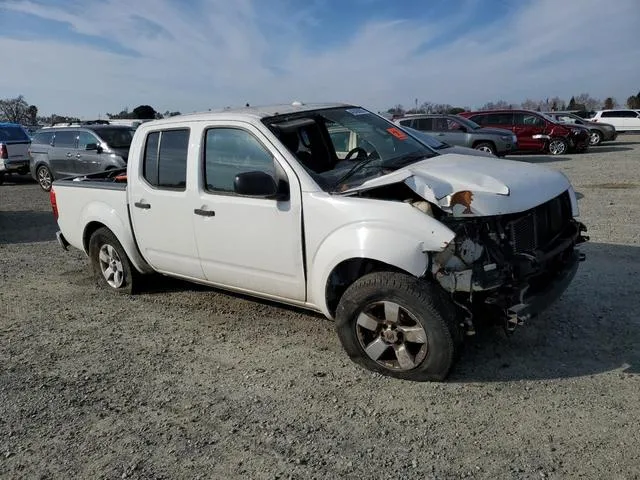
536	228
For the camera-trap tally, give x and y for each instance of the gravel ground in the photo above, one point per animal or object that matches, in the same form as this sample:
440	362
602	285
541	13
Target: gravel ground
188	382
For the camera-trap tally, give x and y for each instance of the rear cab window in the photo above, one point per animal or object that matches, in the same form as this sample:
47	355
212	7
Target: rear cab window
164	165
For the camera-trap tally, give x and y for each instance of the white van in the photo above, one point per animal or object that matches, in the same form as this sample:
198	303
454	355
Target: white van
623	119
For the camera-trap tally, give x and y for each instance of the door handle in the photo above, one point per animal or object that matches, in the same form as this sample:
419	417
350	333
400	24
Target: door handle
204	213
78	155
441	134
68	155
144	206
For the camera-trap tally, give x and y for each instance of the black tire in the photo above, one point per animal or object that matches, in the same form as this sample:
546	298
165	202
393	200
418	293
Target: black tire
23	171
558	146
1	178
44	177
595	138
421	303
486	147
101	239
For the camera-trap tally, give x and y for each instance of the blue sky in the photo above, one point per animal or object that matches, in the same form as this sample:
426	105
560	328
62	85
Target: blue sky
89	57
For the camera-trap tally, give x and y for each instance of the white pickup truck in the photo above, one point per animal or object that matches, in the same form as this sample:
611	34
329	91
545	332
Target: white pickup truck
404	248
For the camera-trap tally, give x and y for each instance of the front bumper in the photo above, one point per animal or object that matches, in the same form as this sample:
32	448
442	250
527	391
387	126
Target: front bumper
7	166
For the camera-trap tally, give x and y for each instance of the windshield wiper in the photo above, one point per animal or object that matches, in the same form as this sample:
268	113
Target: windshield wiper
356	168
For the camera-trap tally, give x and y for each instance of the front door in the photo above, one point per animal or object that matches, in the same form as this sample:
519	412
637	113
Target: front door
248	243
160	204
88	160
530	130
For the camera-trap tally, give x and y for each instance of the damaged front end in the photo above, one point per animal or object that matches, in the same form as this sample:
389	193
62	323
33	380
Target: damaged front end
510	267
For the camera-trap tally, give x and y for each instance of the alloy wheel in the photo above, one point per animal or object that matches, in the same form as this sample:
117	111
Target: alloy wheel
111	266
44	178
557	147
391	335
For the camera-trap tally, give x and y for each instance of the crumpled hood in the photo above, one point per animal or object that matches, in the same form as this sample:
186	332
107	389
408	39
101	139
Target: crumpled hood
497	186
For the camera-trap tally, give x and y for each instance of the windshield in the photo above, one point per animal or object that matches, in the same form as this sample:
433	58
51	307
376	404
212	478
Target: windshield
467	123
116	137
346	146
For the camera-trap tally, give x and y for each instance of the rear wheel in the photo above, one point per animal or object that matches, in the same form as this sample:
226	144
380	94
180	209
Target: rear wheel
111	266
595	138
486	147
44	177
399	326
557	146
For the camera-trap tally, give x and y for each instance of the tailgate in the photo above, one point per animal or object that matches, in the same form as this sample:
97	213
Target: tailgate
17	150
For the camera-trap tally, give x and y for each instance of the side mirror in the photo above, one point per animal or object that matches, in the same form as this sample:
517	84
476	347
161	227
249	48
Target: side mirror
260	184
93	146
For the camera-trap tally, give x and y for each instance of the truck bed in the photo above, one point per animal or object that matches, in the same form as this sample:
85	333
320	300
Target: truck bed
84	201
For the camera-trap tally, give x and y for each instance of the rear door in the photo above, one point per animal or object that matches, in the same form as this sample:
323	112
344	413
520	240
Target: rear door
161	202
530	130
17	141
62	155
614	118
631	120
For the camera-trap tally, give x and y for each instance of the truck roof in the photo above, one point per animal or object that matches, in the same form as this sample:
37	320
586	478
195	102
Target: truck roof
258	112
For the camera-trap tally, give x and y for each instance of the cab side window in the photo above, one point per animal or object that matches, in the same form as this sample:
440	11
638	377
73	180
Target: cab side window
65	138
230	151
86	138
165	159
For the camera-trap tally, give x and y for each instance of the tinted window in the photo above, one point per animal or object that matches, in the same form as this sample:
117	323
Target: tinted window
405	123
150	163
10	133
85	138
499	119
480	119
527	119
440	125
230	151
66	138
116	137
44	138
423	124
629	114
172	159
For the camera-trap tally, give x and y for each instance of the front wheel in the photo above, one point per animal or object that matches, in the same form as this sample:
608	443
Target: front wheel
557	146
111	266
399	326
486	147
595	138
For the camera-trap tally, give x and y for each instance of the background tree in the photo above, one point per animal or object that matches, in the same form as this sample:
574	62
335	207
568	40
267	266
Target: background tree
572	104
14	110
144	112
609	103
32	115
585	101
529	104
456	110
396	110
633	102
498	105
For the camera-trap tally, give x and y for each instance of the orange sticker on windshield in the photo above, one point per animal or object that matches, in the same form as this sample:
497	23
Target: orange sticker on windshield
396	132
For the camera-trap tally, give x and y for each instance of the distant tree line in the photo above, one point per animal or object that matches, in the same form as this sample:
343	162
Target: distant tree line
582	102
18	110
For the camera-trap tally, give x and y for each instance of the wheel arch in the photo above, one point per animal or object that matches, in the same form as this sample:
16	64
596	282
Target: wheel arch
490	142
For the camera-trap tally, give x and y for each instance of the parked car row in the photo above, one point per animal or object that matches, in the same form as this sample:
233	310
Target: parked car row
14	146
504	132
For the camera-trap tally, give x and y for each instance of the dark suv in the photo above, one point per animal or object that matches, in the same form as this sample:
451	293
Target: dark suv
600	132
535	131
65	151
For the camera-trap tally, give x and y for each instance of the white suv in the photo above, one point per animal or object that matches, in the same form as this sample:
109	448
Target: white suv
623	119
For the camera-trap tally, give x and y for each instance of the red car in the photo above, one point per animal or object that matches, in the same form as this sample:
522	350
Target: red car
535	131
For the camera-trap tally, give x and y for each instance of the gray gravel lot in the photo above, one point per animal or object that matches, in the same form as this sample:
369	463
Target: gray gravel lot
187	382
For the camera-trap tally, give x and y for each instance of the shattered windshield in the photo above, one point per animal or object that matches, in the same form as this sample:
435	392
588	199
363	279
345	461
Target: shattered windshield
343	147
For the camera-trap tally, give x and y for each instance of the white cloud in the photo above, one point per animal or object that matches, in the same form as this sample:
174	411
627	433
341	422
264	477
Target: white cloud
231	52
